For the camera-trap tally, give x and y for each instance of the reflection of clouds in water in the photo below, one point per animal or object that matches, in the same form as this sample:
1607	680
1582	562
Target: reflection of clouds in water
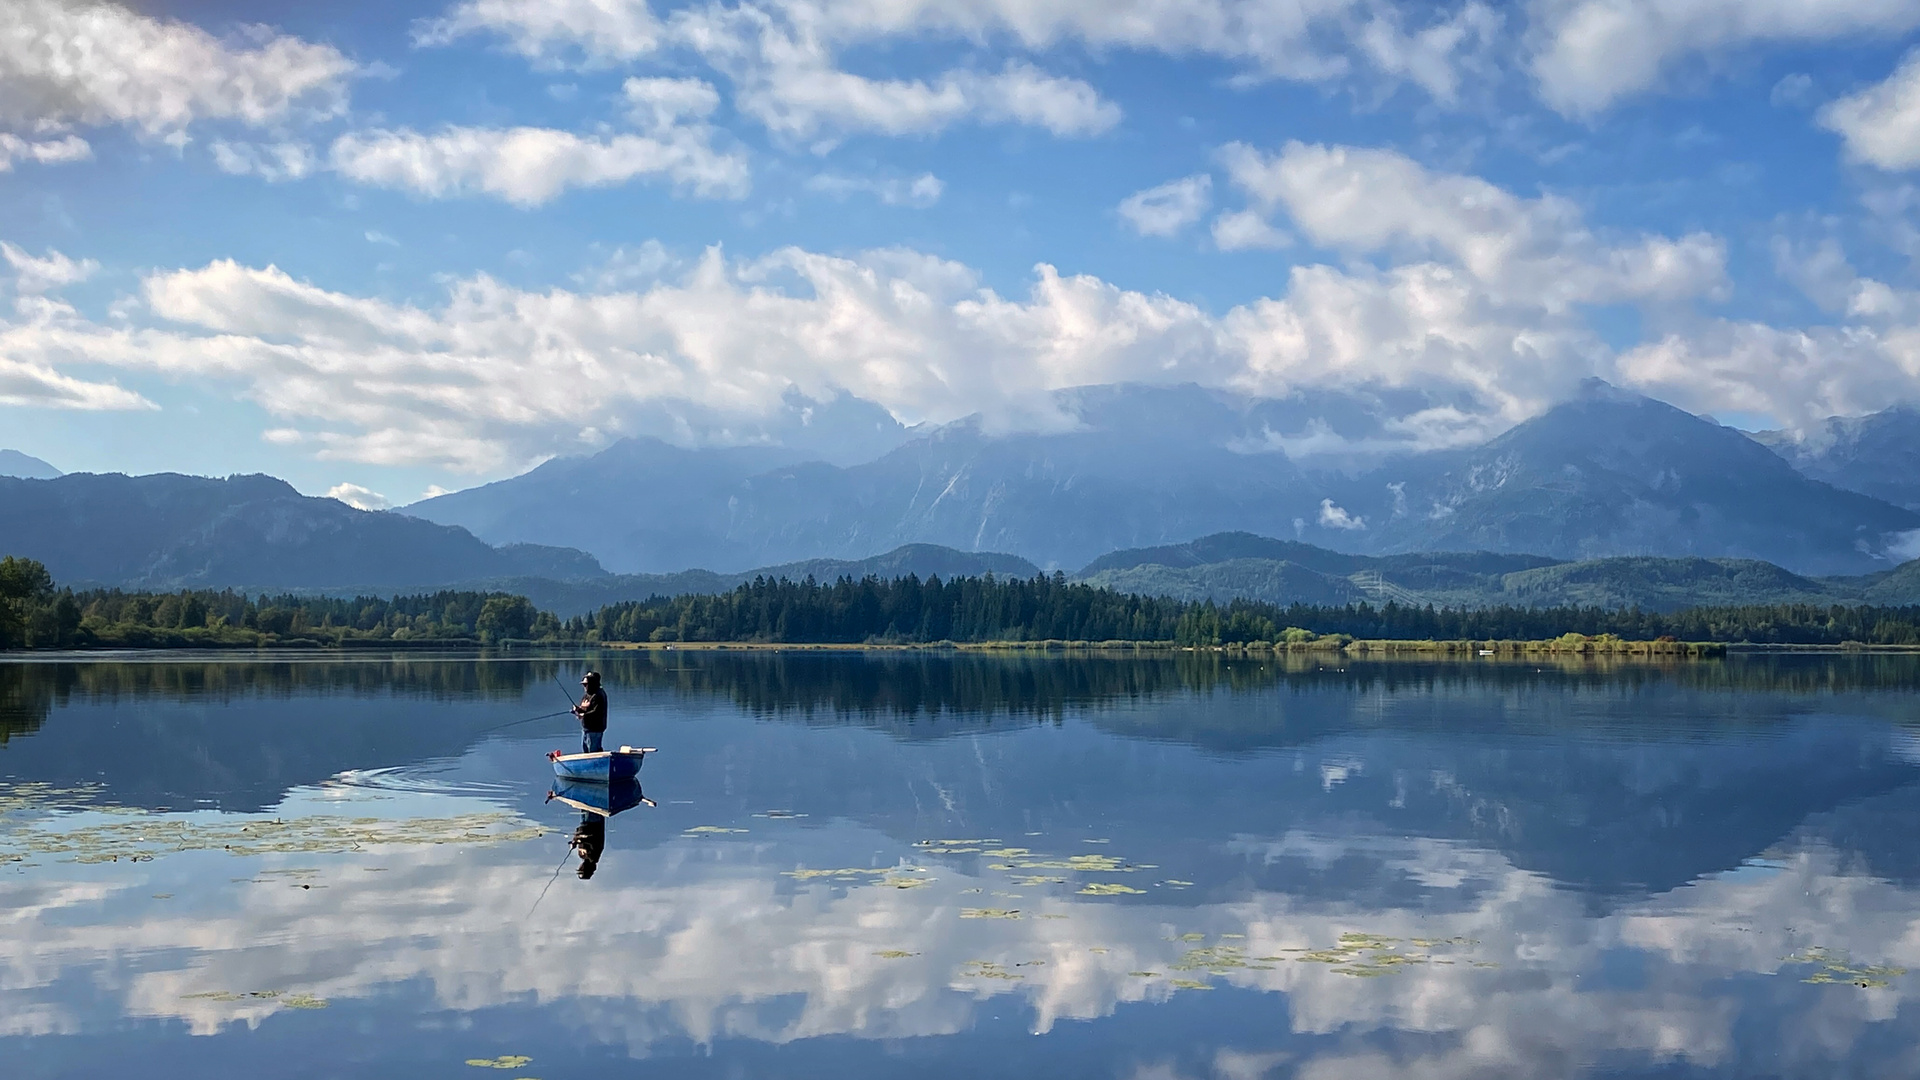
705	939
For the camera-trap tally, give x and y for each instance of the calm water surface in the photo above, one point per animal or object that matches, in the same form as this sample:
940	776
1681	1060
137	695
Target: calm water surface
898	864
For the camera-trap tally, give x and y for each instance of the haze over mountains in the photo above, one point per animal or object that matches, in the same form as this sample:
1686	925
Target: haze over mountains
1609	499
1606	474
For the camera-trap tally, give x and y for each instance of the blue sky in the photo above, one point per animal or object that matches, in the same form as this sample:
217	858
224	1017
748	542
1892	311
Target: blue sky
417	245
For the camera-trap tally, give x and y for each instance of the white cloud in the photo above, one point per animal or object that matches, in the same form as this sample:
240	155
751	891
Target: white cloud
814	102
72	61
29	369
920	192
660	104
38	275
1445	284
1792	91
270	161
1535	252
1168	208
1247	230
38	386
1881	124
529	166
1589	54
599	31
784	56
358	497
61	151
1310	40
1334	517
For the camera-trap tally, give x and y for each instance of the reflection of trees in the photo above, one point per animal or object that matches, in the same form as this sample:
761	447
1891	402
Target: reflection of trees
26	699
175	679
901	690
906	685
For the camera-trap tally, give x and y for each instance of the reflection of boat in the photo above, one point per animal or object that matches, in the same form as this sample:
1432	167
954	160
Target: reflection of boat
600	768
605	800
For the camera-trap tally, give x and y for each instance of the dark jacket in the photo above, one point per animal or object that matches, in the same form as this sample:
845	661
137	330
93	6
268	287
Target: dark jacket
592	711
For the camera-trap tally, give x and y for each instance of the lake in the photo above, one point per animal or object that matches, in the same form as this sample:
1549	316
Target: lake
920	864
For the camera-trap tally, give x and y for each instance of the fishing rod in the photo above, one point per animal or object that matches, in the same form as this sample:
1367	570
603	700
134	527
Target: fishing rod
564	692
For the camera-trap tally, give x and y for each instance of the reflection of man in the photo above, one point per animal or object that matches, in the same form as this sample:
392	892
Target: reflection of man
590	839
592	712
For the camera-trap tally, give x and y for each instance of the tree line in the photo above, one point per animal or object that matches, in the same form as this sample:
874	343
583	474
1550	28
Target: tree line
1051	608
35	613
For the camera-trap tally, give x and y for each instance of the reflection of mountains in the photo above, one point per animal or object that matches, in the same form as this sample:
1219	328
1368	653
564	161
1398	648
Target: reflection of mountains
1618	778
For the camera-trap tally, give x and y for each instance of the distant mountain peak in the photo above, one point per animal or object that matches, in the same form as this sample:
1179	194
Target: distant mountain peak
26	467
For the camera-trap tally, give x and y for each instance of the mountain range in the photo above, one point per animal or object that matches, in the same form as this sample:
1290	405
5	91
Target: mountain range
168	531
1605	474
1609	498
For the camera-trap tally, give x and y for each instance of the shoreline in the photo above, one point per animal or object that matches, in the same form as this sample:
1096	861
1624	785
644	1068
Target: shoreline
1611	648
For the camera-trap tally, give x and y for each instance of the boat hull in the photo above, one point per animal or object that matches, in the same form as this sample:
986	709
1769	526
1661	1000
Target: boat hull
603	799
604	767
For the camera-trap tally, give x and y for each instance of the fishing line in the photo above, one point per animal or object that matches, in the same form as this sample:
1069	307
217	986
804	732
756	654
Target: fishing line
517	723
551	880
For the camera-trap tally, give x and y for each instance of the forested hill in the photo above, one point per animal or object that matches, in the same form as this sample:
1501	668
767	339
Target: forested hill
1231	566
34	613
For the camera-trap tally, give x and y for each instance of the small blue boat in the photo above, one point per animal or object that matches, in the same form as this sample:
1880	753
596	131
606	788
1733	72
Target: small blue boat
601	768
603	799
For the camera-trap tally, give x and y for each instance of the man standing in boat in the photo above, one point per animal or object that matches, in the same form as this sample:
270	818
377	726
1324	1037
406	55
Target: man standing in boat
592	712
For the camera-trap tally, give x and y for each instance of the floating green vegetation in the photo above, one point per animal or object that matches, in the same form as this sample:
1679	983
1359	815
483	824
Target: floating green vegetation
1031	880
1835	968
954	847
1215	960
898	877
1022	859
710	829
141	837
894	954
505	1061
1144	974
34	795
1369	956
988	913
1192	937
1109	888
1188	984
1176	883
986	969
285	1000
